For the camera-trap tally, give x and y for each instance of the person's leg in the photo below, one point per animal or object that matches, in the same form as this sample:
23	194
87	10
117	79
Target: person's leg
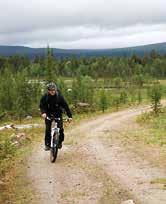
48	132
61	132
61	138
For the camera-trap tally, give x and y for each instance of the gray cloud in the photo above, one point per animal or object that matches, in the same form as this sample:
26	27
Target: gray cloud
84	23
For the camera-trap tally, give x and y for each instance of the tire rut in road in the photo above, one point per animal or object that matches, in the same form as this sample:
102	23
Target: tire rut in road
72	179
125	167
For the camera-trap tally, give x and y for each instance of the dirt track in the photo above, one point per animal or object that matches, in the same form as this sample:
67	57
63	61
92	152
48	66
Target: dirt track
95	167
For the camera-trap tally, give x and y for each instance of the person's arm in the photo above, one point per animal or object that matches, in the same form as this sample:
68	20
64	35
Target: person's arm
66	107
43	107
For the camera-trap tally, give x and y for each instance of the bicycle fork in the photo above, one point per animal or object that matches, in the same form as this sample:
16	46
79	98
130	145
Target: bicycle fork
54	137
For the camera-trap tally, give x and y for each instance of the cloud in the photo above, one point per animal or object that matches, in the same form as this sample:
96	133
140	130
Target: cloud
83	23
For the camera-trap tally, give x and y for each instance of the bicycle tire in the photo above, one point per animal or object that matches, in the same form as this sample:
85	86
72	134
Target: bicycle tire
53	154
54	150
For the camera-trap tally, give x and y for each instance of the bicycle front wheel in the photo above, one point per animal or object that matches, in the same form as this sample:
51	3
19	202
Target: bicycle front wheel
53	154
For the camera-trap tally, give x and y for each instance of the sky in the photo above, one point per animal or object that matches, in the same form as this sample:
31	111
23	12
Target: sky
85	24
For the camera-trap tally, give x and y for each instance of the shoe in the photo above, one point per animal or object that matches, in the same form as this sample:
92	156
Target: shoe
60	145
47	148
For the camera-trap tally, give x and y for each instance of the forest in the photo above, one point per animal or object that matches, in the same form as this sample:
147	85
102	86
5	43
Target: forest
88	84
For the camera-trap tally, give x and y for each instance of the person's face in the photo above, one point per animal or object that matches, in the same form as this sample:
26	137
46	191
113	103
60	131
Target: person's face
52	92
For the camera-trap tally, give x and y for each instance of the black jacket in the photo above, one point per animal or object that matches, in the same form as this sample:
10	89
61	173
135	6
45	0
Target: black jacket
54	105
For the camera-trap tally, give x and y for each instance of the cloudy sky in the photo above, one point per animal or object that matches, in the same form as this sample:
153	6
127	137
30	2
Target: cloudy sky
82	23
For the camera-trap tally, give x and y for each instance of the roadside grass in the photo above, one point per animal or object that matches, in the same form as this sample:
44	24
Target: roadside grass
7	121
14	187
155	126
160	181
163	82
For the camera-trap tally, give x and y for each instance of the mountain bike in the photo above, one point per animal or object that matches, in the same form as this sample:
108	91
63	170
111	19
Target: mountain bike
54	137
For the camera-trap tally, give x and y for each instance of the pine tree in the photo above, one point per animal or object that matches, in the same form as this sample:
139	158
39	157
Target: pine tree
155	94
49	65
103	103
7	90
139	96
24	98
123	97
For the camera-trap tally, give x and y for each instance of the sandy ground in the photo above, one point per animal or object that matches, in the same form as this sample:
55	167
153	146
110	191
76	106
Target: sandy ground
94	166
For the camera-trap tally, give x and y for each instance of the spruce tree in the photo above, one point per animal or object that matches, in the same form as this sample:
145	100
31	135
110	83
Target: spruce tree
103	101
155	95
50	74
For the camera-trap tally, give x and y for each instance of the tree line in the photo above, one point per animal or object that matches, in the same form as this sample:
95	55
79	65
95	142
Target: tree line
97	83
109	67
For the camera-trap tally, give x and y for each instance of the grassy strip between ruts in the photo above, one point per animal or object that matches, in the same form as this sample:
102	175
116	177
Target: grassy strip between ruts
103	183
13	166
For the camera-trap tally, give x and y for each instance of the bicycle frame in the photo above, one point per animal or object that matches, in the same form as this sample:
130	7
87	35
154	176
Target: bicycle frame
54	131
54	138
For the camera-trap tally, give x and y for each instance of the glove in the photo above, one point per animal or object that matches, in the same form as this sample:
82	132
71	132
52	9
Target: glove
44	115
70	119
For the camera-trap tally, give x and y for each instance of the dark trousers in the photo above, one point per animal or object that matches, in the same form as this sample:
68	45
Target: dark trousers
48	124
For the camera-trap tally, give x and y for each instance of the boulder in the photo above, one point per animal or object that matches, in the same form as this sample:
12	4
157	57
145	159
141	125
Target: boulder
83	104
28	117
17	139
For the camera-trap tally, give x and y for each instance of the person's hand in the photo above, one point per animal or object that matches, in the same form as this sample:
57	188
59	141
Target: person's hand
44	115
70	120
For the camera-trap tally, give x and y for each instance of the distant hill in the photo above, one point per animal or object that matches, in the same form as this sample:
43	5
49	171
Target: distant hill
32	52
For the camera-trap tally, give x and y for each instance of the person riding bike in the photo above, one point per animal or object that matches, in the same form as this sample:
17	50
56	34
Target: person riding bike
52	103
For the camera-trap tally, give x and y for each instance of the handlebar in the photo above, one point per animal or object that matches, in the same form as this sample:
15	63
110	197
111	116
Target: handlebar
57	119
52	118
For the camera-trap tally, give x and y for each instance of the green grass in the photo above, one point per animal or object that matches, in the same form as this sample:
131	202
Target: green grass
7	121
13	163
155	127
160	181
163	82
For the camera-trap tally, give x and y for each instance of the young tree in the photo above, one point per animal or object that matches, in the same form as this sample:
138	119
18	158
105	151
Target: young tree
116	102
75	92
118	82
7	90
139	96
24	98
103	101
87	90
49	63
138	80
123	97
155	95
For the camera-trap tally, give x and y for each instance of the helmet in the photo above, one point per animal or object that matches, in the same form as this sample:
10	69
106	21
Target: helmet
51	85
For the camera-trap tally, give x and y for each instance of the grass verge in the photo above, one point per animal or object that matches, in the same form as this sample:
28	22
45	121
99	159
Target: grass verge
155	126
14	186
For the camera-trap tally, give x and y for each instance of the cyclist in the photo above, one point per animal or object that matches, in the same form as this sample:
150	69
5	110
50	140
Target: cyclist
52	103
